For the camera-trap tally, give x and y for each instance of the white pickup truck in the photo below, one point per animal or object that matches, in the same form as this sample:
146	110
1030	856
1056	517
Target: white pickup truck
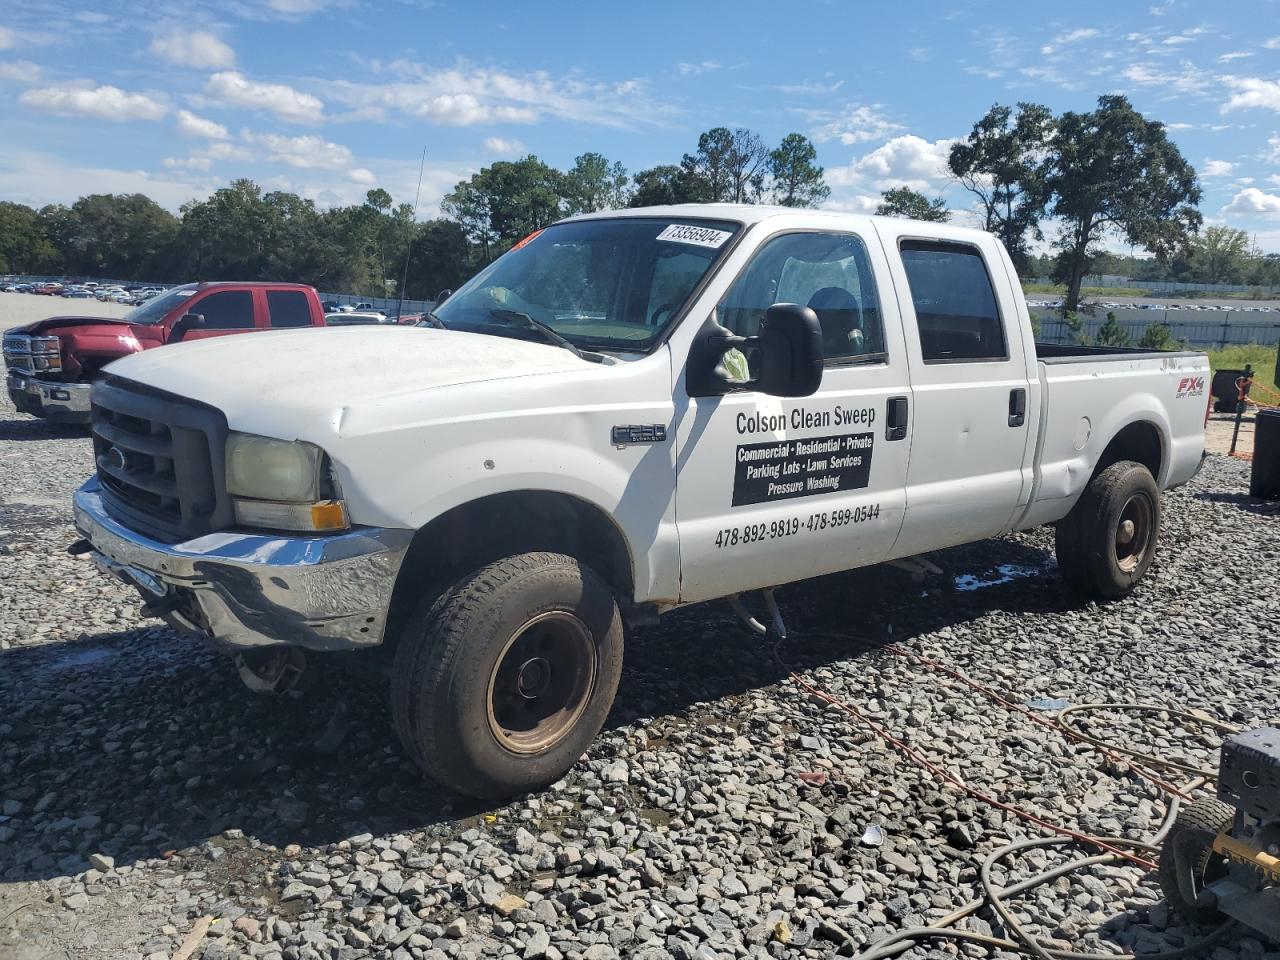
628	412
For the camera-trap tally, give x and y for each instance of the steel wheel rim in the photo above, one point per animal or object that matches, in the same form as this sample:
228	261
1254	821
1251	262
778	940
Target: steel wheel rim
541	682
1133	531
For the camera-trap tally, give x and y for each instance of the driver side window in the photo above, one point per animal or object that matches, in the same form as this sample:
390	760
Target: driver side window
827	272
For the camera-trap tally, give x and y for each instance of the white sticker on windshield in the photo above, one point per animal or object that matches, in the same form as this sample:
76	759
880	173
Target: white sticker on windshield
698	236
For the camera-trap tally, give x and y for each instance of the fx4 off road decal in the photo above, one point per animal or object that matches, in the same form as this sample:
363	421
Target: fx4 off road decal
1190	387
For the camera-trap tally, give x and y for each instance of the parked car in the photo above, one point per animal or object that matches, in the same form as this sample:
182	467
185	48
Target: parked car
53	363
48	289
351	319
77	293
613	420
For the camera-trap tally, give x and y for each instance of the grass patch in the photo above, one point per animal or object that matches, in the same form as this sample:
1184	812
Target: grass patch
1060	291
1262	358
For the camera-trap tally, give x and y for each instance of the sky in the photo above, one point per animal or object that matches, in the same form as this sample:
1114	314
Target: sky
329	98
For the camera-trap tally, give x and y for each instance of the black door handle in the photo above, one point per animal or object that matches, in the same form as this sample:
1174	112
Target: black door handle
1017	406
895	421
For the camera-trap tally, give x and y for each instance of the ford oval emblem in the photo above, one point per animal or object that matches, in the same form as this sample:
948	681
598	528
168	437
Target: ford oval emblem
118	458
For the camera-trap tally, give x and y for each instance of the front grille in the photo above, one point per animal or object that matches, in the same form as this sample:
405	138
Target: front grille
161	460
27	354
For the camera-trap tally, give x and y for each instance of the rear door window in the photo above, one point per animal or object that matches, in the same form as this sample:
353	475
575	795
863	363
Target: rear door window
227	310
288	308
955	304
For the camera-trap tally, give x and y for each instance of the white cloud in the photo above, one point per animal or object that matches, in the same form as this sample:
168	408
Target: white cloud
502	146
1253	202
857	123
190	125
1252	92
305	153
1272	154
85	100
198	49
1188	79
1272	43
235	89
1071	36
906	161
298	8
36	178
1234	55
8	39
463	96
188	163
1216	168
20	71
696	69
362	175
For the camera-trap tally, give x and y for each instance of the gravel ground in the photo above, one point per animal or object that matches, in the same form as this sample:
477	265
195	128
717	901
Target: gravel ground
722	813
20	308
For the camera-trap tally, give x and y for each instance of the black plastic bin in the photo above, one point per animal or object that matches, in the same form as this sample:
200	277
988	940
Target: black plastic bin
1264	480
1225	393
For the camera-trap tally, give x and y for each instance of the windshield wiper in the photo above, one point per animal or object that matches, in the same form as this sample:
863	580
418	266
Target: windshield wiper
548	333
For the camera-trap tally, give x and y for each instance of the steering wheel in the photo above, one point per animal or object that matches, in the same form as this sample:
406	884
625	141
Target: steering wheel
664	308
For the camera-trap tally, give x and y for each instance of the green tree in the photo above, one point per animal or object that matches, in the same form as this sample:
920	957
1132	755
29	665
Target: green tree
797	181
442	259
667	184
731	164
1112	169
1219	255
123	236
913	205
25	246
1003	162
225	236
1157	336
1111	334
595	184
506	201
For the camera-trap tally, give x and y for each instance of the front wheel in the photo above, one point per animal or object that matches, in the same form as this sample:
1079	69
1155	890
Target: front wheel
503	682
1108	540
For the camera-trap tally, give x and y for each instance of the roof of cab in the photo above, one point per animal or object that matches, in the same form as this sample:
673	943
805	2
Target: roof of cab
752	213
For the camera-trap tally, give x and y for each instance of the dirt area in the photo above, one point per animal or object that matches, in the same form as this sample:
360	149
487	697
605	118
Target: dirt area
1219	429
19	308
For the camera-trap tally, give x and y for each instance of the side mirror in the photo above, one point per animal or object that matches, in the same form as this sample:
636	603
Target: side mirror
789	345
443	295
790	341
185	324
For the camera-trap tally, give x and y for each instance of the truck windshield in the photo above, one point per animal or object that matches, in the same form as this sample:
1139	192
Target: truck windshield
605	284
159	307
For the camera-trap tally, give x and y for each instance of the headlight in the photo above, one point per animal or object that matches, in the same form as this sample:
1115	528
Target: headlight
281	484
268	469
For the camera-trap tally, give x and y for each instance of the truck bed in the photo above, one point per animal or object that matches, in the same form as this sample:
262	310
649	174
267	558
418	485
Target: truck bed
1088	395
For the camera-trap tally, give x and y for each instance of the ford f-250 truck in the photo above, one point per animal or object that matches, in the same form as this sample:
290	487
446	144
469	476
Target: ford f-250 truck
52	363
627	412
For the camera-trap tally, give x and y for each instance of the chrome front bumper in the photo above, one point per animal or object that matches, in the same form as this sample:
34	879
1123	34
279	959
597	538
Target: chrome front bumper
243	590
58	401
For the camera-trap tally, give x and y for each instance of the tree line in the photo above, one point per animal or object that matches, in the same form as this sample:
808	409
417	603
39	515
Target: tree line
1102	175
241	232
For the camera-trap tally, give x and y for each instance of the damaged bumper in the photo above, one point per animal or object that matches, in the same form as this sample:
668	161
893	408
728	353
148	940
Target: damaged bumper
247	590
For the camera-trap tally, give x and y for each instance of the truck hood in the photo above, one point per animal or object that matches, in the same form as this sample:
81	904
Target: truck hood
54	324
294	375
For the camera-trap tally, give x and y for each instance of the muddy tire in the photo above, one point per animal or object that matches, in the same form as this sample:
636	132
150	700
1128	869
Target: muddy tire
502	683
1194	830
1107	542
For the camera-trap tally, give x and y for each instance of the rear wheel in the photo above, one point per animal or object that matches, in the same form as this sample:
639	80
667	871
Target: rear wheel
503	682
1107	542
1191	843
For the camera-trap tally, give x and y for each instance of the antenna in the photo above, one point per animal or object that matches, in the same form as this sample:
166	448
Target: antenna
408	247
